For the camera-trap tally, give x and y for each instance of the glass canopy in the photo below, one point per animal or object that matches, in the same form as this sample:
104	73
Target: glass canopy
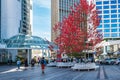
26	41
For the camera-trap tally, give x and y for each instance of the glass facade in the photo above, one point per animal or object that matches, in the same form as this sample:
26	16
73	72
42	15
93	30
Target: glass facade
110	14
26	41
0	19
25	22
64	8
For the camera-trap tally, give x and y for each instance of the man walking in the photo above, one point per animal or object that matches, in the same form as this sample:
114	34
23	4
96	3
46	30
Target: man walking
43	63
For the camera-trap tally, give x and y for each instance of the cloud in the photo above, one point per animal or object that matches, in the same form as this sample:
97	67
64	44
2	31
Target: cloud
43	3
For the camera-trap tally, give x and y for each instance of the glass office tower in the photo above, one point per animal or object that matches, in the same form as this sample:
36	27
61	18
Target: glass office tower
110	18
59	10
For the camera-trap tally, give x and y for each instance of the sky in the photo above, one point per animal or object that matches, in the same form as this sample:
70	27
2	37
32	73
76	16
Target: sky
42	18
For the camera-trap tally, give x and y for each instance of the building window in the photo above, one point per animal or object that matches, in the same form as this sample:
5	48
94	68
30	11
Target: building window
118	6
99	30
106	30
106	21
113	11
106	35
98	3
106	11
106	2
106	25
106	16
99	7
118	1
113	2
106	7
113	6
114	35
114	16
113	25
118	11
114	20
114	30
100	26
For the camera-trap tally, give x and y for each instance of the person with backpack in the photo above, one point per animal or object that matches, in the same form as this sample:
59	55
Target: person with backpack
43	63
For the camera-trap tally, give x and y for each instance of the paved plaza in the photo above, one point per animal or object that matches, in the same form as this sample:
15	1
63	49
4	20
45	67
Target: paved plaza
105	72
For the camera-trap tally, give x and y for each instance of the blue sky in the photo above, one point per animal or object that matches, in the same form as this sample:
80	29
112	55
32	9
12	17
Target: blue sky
42	18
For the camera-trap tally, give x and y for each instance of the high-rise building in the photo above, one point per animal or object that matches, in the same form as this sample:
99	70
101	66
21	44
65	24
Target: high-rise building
110	22
15	18
110	18
59	10
109	11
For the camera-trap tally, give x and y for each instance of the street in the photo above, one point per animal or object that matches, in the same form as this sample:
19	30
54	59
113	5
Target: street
105	72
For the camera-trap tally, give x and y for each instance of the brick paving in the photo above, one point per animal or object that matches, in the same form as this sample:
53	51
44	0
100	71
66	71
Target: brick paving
105	72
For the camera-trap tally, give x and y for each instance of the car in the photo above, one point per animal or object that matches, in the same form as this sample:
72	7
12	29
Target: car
108	61
117	62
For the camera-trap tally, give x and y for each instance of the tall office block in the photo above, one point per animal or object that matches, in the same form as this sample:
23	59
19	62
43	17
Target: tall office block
15	18
110	18
59	10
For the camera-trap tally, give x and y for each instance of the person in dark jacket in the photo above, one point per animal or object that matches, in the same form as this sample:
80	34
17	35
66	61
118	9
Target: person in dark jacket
26	63
32	63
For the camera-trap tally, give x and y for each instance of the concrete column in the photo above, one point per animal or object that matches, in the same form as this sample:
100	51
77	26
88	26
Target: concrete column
42	52
104	50
28	56
8	55
48	56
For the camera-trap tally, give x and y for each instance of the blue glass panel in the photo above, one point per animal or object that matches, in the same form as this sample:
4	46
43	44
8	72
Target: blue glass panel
113	11
99	30
114	30
106	30
119	15
100	26
106	16
106	2
118	6
106	11
99	7
106	35
98	3
113	25
113	6
113	2
114	16
106	7
114	35
106	25
114	20
106	21
118	1
100	21
119	30
118	11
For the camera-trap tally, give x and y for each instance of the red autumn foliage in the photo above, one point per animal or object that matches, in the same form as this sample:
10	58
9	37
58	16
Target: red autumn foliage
78	31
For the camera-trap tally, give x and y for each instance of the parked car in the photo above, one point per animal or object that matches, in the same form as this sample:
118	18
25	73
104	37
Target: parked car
117	62
108	61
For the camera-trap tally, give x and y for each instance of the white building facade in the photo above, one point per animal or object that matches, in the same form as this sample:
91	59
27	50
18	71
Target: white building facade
15	19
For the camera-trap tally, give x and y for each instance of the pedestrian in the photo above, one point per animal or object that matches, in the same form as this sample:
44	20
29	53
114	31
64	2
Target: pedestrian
32	62
26	63
43	63
18	63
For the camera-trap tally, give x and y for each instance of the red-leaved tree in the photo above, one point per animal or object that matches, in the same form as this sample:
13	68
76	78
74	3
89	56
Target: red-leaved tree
78	32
